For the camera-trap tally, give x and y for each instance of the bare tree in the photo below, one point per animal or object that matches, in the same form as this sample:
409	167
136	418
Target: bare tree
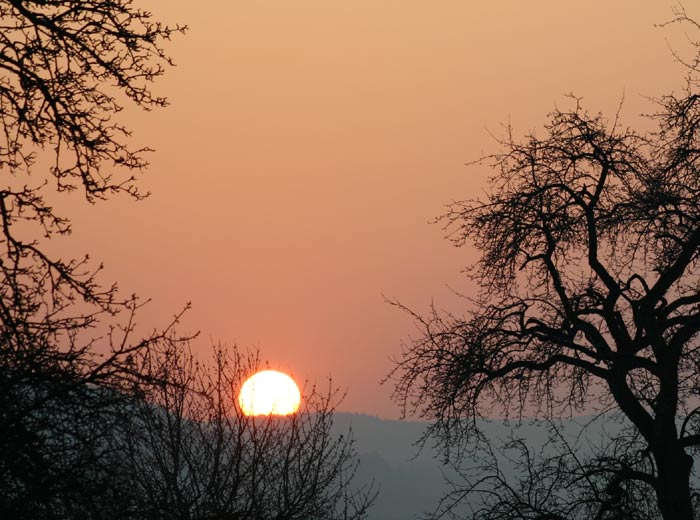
66	340
589	278
194	454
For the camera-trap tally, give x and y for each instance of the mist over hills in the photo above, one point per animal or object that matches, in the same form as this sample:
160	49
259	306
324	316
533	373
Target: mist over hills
412	480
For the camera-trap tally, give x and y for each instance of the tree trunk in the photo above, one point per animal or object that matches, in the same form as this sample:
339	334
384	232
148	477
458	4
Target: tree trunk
673	484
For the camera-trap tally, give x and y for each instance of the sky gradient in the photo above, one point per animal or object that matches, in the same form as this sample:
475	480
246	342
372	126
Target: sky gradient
309	143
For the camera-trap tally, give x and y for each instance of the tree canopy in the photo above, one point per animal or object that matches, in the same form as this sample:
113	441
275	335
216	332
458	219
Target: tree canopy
66	69
589	301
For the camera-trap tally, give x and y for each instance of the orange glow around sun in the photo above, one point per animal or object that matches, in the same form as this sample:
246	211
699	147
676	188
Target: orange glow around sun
269	392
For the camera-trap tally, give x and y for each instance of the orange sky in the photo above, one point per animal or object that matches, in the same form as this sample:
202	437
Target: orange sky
309	143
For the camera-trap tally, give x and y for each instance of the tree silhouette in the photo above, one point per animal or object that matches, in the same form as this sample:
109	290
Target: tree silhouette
588	276
66	341
194	454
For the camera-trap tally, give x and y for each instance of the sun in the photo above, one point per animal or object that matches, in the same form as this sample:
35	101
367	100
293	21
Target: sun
269	392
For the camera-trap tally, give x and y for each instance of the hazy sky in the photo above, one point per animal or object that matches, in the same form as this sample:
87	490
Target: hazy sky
309	143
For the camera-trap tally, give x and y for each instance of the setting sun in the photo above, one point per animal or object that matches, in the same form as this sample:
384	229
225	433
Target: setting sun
269	393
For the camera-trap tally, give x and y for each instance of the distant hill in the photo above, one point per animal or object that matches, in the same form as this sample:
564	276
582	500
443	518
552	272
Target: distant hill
412	481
